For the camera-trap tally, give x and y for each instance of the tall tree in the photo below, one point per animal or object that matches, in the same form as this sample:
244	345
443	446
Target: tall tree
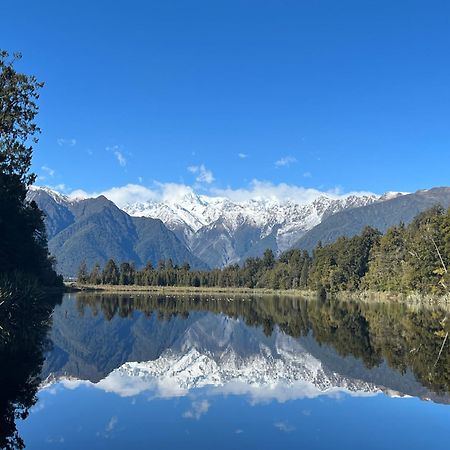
111	273
82	273
23	246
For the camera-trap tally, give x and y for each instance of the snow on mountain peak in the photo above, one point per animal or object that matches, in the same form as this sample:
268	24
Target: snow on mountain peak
55	195
221	230
189	214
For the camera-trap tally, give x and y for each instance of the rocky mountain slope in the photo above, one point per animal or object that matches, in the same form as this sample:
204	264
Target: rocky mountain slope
222	232
95	230
216	230
380	215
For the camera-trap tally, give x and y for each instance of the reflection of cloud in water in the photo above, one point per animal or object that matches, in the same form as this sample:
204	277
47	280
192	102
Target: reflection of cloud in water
283	392
284	426
111	424
198	408
284	373
129	385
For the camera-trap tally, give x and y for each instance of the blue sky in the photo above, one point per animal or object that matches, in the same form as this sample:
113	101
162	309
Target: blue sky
348	95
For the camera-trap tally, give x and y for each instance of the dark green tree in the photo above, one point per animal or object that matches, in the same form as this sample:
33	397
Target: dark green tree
95	276
127	273
83	275
23	244
110	273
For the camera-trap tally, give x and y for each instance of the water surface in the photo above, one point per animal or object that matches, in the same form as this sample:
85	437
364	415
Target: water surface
240	372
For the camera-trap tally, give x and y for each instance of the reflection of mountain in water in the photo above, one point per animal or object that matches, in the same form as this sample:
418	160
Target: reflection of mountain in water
130	344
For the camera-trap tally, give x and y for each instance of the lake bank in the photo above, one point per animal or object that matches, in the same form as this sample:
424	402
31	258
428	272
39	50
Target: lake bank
411	298
107	288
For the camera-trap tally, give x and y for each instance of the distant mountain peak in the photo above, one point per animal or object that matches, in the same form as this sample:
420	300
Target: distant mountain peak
55	195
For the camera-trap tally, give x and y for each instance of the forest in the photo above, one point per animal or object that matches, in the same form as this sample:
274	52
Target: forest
407	258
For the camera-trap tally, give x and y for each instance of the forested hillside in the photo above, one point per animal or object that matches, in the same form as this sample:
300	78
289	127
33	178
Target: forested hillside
379	215
95	229
404	259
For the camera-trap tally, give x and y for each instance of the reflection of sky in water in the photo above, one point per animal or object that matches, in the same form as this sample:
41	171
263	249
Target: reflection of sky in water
209	380
82	415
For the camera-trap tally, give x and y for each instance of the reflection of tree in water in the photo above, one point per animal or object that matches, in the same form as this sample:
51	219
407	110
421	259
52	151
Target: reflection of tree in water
407	338
23	339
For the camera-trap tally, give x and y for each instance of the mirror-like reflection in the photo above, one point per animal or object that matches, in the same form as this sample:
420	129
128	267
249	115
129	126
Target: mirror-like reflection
24	338
392	344
199	349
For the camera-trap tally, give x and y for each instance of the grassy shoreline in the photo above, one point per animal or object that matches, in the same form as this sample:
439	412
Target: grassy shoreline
413	298
76	287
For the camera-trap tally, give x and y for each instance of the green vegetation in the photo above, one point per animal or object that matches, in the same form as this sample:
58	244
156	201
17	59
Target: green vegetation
411	258
23	244
25	318
406	338
26	268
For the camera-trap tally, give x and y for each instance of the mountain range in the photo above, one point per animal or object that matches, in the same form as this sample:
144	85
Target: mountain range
222	232
94	230
213	231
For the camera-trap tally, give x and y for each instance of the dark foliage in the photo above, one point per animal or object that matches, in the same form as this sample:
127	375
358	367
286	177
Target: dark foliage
25	317
23	244
404	259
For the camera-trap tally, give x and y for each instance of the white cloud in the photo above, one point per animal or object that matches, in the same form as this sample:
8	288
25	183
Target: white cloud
48	170
61	187
203	174
266	190
63	142
242	155
121	196
307	175
118	153
198	409
136	193
286	161
174	192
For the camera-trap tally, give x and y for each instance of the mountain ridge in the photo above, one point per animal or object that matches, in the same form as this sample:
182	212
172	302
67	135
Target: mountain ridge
379	215
94	230
216	232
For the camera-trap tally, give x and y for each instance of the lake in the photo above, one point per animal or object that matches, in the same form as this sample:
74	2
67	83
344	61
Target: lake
149	371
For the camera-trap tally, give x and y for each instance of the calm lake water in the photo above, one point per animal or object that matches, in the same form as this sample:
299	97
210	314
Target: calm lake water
201	372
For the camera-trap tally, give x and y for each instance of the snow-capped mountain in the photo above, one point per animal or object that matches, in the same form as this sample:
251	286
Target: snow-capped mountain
217	230
222	232
60	199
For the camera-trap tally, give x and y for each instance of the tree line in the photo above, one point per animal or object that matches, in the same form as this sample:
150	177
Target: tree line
404	259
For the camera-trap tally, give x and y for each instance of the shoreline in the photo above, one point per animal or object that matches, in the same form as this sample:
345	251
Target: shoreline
366	296
106	288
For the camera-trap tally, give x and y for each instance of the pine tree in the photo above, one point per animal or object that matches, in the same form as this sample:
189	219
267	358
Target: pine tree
110	273
82	273
96	276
